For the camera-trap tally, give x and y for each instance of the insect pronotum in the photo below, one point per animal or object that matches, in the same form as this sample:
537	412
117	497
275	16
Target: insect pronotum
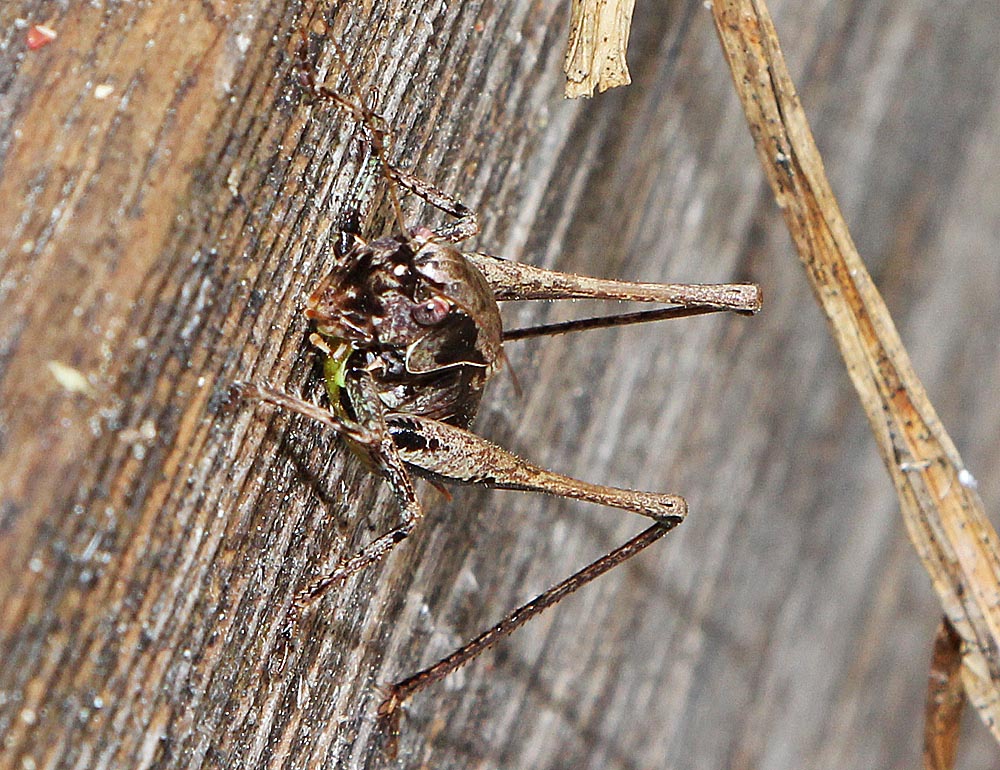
410	333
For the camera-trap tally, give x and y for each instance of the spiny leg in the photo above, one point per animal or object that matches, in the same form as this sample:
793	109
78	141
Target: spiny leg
384	453
367	117
252	392
445	452
607	321
467	224
401	691
371	120
372	437
372	144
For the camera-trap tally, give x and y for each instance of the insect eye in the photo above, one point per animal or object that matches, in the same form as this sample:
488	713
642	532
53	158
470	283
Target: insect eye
431	312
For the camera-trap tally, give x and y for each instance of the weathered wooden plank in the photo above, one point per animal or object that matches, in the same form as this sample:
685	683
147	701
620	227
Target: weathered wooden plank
160	241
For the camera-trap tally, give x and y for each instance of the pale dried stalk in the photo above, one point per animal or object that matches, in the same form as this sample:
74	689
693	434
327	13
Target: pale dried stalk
595	51
943	513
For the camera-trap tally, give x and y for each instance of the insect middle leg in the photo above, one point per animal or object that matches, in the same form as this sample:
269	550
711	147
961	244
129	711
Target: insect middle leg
398	443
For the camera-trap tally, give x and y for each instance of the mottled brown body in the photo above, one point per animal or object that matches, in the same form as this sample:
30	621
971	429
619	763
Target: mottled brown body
412	333
419	318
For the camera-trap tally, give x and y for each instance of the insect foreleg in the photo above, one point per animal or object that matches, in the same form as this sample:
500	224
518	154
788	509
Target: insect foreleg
451	454
373	438
346	428
467	224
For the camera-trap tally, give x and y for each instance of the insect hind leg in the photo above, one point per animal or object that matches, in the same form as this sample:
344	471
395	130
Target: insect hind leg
399	692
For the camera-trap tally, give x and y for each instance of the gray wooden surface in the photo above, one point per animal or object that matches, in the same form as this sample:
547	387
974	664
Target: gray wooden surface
160	242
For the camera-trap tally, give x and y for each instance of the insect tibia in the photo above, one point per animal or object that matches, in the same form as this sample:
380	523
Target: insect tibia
397	695
367	117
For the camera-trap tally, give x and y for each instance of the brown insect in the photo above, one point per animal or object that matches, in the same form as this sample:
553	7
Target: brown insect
410	331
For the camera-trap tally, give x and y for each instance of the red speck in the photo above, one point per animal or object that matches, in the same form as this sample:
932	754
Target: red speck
40	35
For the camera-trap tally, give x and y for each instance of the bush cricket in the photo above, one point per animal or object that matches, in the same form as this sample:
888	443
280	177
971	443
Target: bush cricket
410	333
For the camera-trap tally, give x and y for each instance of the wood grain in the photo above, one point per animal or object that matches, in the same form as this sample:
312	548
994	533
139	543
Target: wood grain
160	242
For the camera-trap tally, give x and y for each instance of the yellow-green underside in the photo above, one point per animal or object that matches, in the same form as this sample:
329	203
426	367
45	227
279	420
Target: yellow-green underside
334	371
